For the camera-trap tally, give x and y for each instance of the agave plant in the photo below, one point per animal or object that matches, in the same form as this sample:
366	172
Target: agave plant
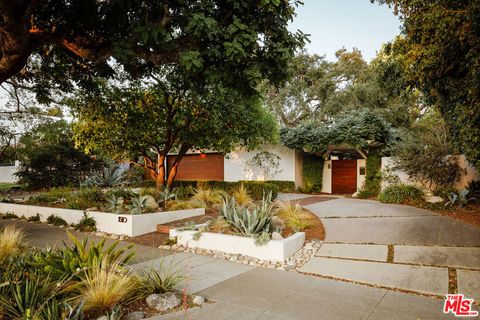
139	205
116	204
462	198
165	195
110	176
249	221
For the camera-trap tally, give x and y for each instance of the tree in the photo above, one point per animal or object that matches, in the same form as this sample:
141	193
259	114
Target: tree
441	48
319	90
357	128
49	159
7	146
152	121
50	43
426	154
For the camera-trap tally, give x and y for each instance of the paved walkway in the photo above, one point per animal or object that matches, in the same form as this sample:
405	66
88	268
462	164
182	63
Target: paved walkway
397	247
246	292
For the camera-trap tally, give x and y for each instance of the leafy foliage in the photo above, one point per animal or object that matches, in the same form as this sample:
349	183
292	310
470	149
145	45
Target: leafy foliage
358	128
427	155
86	223
49	158
56	220
373	177
441	56
312	173
401	194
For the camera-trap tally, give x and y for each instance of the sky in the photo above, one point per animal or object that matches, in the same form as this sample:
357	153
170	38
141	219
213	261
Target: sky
333	24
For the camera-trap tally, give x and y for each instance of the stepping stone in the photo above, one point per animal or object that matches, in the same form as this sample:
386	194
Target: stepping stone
354	251
459	257
430	280
468	282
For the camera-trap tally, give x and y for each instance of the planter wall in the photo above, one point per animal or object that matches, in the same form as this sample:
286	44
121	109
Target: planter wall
120	224
275	250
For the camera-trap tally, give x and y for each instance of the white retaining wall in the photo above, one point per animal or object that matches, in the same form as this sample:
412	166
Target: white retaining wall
275	250
120	224
7	173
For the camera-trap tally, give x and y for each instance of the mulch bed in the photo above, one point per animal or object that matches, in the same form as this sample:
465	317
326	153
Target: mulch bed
469	214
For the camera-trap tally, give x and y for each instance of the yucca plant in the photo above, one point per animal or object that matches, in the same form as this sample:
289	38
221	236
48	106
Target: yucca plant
11	240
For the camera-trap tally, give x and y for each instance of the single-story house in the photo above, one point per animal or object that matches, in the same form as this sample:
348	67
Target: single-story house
344	167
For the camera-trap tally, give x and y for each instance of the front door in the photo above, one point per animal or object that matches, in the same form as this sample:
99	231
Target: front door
344	176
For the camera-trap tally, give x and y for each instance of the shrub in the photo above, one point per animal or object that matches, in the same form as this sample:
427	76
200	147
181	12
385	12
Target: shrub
180	205
126	194
85	198
11	240
9	215
258	189
86	224
35	218
294	216
401	194
56	220
373	177
283	186
312	173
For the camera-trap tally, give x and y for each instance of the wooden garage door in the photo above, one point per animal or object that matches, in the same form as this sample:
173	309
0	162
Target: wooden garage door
344	176
205	166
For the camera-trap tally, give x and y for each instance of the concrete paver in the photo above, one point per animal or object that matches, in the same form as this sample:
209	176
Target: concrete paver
292	196
460	257
425	230
468	282
431	280
201	271
347	207
354	251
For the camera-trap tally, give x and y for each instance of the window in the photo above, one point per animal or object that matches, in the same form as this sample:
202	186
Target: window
362	171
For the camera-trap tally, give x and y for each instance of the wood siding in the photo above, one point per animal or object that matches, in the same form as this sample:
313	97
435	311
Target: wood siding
205	166
344	176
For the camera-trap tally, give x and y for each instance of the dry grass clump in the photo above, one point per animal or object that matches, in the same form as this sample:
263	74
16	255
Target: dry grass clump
208	197
294	216
106	286
11	240
242	197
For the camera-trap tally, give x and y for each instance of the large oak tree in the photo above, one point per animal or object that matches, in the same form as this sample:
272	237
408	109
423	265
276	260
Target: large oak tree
54	42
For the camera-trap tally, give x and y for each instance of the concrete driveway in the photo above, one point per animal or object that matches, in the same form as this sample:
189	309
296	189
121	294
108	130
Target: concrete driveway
397	247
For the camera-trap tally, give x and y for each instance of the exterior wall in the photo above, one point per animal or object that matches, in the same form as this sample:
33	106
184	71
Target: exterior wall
360	178
468	173
235	170
327	176
7	173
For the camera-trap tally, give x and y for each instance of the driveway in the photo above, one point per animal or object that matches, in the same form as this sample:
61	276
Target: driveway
396	247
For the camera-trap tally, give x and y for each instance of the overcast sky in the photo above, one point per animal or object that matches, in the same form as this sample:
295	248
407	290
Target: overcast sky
333	24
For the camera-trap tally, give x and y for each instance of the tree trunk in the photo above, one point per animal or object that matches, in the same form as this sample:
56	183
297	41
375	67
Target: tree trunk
176	162
160	178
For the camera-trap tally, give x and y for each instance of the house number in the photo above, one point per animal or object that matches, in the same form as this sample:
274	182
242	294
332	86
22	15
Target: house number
122	219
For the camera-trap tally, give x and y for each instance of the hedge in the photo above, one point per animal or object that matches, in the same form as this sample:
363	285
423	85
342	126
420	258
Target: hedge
283	185
373	177
312	173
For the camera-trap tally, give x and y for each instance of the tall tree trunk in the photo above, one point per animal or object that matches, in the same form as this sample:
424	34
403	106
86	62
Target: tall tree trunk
173	170
160	178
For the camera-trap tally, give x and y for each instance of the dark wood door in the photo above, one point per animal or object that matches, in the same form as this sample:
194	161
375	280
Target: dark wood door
204	166
344	176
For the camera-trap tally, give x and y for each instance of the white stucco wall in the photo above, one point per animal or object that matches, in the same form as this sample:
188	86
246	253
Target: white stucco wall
327	177
360	178
234	164
467	173
7	173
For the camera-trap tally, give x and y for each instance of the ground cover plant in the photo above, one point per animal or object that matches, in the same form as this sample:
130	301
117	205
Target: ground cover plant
84	280
401	194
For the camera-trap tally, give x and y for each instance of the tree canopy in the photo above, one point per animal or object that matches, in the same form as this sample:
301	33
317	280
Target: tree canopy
56	44
356	128
154	120
319	90
441	50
